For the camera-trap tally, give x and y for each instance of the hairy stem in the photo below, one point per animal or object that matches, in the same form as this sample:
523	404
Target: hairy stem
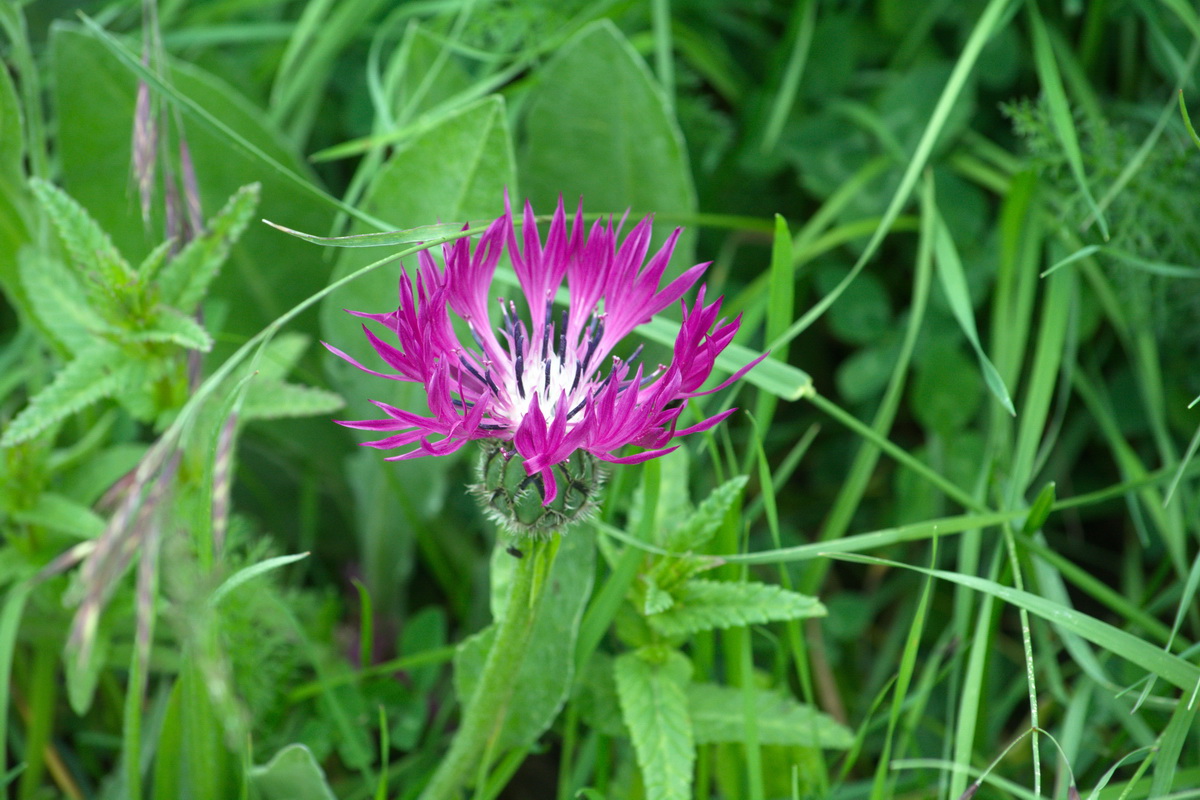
485	714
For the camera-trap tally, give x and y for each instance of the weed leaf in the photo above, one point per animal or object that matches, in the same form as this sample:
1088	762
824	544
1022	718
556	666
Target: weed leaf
653	694
702	605
718	715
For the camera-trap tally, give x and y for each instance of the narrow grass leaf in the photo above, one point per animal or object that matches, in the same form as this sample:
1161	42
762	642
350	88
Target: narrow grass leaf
954	284
1187	120
1060	110
717	716
703	605
385	238
993	18
1081	253
249	573
1169	667
10	623
799	40
1040	509
652	688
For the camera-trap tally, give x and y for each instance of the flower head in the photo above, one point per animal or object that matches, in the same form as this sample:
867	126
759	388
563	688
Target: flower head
544	383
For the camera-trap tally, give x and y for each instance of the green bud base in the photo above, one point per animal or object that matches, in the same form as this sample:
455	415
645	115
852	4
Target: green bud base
516	501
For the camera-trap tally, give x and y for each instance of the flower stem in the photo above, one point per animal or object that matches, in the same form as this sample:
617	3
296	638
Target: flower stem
485	714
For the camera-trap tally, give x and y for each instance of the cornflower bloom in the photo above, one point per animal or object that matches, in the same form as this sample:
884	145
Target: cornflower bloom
538	387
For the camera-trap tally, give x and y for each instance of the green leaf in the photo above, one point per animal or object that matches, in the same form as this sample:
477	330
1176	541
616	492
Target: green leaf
59	513
57	299
14	199
652	687
94	95
293	774
90	250
1040	510
99	372
657	600
702	524
271	398
702	605
597	125
718	715
545	678
249	573
174	327
954	284
185	279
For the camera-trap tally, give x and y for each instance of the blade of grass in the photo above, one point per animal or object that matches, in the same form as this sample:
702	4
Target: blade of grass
989	23
1060	111
799	40
1169	667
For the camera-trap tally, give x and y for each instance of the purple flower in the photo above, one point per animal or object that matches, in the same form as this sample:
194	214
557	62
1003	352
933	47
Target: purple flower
546	383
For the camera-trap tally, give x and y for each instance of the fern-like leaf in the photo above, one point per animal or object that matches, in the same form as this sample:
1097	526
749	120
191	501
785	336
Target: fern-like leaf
91	251
703	523
271	398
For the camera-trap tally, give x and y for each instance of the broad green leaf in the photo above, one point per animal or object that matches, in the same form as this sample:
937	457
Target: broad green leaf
185	278
99	372
652	687
954	284
598	126
657	600
718	715
271	398
169	325
293	774
90	251
702	605
546	676
56	298
62	514
94	94
701	525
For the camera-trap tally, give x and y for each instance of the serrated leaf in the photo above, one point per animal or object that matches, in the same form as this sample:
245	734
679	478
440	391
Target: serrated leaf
62	514
293	774
703	523
657	600
702	605
718	715
99	372
91	251
153	262
270	398
58	300
171	326
652	688
185	279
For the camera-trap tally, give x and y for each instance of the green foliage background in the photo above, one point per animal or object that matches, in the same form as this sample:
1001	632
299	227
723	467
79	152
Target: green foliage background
958	511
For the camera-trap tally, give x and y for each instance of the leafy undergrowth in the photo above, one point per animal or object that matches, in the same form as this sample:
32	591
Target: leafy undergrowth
948	544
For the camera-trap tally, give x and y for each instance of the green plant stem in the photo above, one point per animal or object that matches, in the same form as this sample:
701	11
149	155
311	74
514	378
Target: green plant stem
488	707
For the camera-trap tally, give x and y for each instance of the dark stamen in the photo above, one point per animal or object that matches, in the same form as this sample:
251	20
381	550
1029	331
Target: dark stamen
578	375
467	365
475	334
546	367
520	368
487	376
595	334
562	340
